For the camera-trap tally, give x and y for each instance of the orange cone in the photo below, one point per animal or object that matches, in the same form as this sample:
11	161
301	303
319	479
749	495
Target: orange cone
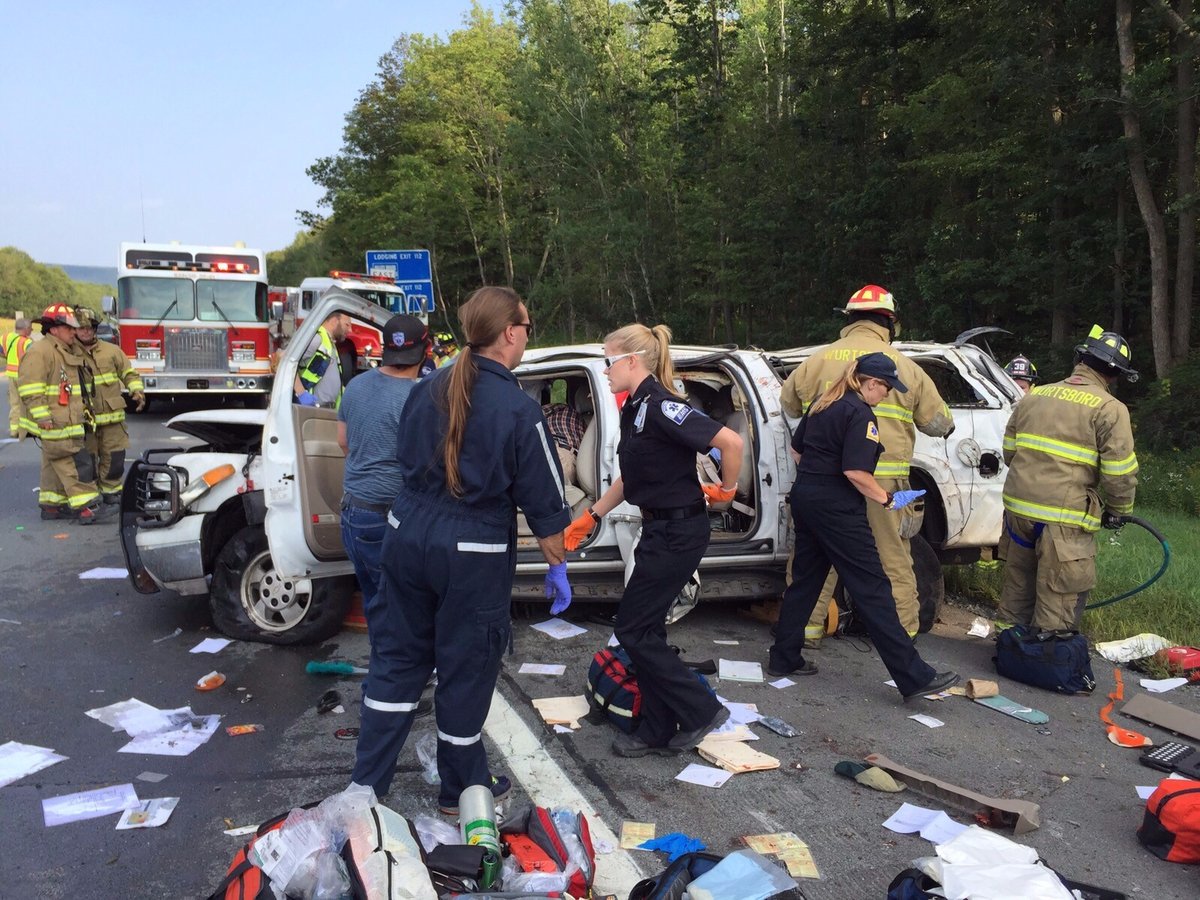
356	617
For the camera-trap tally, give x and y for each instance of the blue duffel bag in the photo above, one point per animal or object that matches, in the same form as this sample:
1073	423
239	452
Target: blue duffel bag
1054	660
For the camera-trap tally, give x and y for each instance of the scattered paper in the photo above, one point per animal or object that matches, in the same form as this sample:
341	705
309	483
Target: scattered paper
1131	648
1162	685
211	645
788	849
88	804
705	776
152	777
741	713
980	627
148	814
562	710
739	670
163	732
541	669
891	682
732	732
1145	790
558	628
932	824
238	832
18	760
928	721
613	642
782	683
634	833
561	729
736	757
726	643
103	572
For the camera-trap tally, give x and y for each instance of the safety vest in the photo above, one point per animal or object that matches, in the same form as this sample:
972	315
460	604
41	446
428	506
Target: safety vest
317	366
1064	443
51	383
898	415
14	346
110	369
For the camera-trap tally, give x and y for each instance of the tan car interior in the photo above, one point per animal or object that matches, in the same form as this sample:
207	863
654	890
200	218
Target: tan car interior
320	479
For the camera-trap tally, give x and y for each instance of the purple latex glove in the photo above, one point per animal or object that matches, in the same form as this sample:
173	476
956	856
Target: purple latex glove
558	588
901	499
306	399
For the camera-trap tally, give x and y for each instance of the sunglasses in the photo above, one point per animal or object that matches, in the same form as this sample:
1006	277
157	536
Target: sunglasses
528	326
610	361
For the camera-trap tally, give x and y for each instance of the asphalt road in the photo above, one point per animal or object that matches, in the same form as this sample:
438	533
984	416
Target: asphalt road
68	645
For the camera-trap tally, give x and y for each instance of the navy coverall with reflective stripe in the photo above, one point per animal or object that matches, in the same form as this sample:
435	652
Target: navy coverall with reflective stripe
447	572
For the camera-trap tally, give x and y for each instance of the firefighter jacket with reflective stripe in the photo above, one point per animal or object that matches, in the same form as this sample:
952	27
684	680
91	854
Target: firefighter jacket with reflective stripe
1064	442
325	363
50	386
14	346
897	414
110	369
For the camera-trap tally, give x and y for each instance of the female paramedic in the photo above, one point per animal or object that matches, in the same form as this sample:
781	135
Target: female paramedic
836	446
660	437
472	448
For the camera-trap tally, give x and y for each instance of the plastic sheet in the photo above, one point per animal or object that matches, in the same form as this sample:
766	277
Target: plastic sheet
426	746
744	875
433	831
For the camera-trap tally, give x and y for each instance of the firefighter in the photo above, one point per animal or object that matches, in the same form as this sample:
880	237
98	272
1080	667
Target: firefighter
473	448
55	386
445	348
872	327
14	346
1072	469
319	382
110	370
1023	372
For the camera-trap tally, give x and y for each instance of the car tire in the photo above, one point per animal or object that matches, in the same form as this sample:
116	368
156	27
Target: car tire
931	587
251	602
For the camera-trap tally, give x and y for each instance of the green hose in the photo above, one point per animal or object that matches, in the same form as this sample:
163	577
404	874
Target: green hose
1135	520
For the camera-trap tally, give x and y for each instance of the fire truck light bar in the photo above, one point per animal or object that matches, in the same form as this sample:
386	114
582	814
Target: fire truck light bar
338	273
172	265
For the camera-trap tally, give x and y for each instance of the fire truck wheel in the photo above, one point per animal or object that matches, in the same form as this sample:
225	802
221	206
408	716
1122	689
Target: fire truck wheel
250	601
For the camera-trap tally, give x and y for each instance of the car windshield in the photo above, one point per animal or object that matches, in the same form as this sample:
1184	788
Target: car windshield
155	298
237	301
390	300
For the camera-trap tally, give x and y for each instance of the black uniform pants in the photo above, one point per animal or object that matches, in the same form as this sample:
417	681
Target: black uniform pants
673	699
830	516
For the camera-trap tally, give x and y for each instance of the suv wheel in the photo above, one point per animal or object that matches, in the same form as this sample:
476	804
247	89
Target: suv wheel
931	588
251	602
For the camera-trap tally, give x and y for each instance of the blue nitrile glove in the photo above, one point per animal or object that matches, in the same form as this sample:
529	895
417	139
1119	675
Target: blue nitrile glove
674	844
558	588
901	499
715	454
306	399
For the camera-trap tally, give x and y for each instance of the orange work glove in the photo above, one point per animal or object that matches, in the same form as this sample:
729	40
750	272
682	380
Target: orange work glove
717	494
579	529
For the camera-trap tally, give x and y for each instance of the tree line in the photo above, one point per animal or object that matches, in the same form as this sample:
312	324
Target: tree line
736	168
29	287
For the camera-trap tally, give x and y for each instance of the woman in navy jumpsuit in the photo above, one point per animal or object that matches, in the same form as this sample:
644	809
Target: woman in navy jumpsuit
660	437
472	448
836	446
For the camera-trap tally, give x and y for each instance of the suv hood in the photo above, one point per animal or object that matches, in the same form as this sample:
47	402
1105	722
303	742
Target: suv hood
234	430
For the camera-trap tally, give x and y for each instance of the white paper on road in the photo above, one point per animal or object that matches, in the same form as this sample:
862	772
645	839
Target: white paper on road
18	760
131	716
152	777
103	572
541	669
561	729
705	776
980	627
739	670
88	804
928	721
1162	685
740	713
148	814
891	682
613	642
238	832
189	732
558	628
726	643
932	824
211	645
782	683
1145	790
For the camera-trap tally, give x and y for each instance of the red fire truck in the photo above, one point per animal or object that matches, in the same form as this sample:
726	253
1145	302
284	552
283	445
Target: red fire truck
377	289
195	319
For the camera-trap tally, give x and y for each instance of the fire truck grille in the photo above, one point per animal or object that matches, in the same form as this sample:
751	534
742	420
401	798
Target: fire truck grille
198	350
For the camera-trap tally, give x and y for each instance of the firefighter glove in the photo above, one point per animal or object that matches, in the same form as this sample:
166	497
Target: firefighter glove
578	530
1111	520
305	398
901	499
558	588
718	494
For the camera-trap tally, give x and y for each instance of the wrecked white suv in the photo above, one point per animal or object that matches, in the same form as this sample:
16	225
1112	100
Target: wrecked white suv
251	517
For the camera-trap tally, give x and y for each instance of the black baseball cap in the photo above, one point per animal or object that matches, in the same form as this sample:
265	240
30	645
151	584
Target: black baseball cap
883	367
405	341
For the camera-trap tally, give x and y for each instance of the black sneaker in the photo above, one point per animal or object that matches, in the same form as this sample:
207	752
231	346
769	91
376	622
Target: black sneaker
686	740
111	499
501	788
56	512
631	746
807	668
939	682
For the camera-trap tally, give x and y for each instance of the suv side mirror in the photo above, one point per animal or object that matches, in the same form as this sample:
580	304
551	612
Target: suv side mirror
108	305
277	310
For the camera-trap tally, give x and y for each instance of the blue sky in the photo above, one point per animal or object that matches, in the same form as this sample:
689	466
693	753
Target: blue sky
202	115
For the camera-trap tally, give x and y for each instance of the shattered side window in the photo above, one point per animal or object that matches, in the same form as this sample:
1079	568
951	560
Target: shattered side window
955	389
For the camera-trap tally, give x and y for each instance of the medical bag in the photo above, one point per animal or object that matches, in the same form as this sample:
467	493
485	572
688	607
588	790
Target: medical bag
672	883
613	691
1054	660
558	840
1171	824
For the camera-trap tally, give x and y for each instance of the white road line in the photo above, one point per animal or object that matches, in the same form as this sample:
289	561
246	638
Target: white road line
548	785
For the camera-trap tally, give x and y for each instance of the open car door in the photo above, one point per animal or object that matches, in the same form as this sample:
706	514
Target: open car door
302	462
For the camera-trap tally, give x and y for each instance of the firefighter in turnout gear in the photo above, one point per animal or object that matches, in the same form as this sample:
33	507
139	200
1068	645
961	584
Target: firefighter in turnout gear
872	328
14	346
1023	372
110	370
1072	469
54	383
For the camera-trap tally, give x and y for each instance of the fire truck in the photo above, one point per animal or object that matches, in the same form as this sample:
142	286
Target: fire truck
195	319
